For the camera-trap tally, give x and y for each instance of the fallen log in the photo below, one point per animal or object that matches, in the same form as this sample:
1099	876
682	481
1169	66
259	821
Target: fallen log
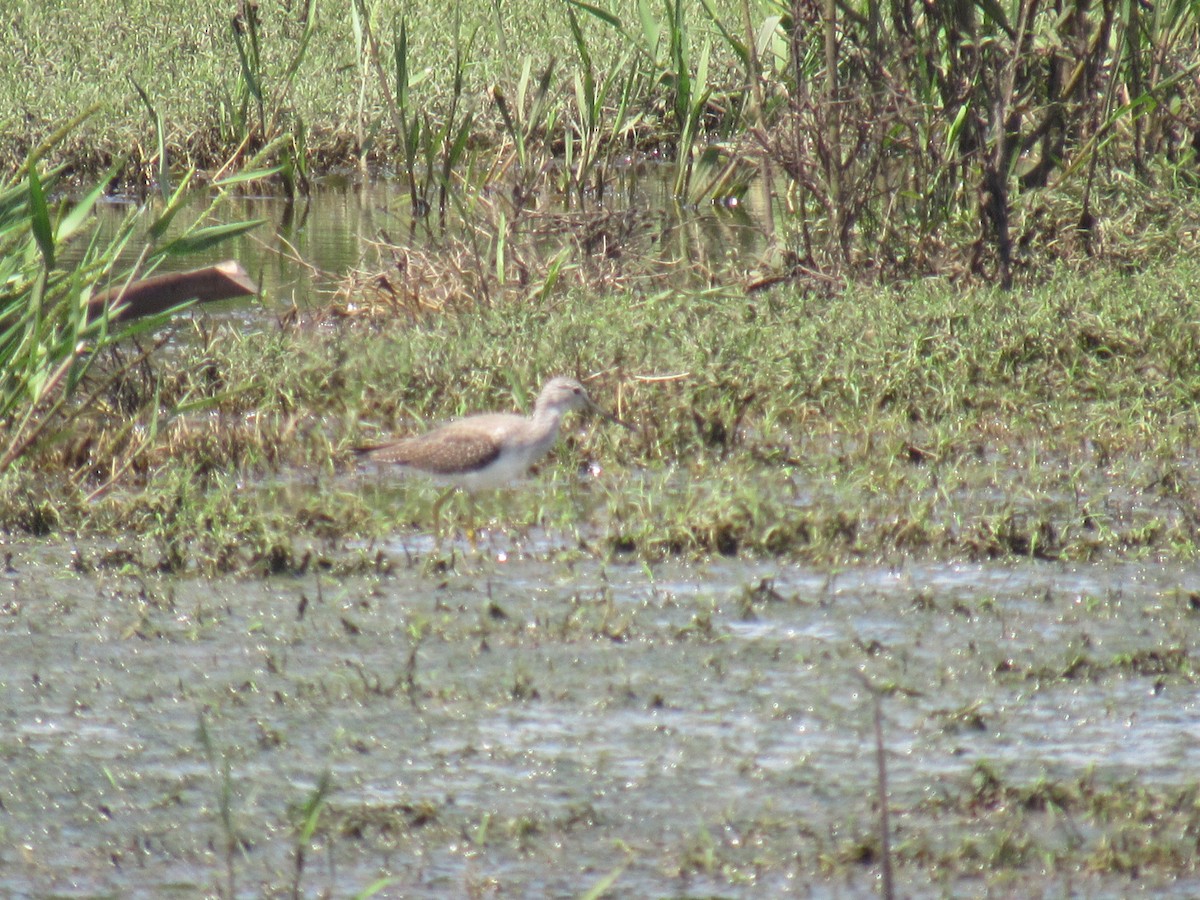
148	296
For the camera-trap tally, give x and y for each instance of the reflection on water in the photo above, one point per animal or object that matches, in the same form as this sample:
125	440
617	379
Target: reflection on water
305	248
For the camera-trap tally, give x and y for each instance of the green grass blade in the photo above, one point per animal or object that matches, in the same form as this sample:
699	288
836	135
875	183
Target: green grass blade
81	212
401	53
250	74
374	888
601	887
651	30
739	48
248	176
39	218
204	238
164	171
175	203
602	14
310	22
57	136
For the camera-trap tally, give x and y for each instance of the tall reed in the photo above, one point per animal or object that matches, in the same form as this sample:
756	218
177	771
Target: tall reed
912	129
49	343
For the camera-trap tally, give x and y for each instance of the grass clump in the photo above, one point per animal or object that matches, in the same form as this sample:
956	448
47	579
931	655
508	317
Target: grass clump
933	422
56	318
984	141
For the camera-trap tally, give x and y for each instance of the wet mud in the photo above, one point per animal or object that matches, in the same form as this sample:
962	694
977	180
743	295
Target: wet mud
533	721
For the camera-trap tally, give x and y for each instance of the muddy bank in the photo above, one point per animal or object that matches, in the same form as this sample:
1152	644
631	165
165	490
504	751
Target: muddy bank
534	725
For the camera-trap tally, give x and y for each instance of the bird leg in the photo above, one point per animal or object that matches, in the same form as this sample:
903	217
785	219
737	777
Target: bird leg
438	504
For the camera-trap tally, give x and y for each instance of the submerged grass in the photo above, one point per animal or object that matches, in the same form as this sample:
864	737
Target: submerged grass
1008	707
1059	422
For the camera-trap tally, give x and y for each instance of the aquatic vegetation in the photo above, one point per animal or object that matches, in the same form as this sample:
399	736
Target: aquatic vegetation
979	140
903	480
52	339
868	425
326	729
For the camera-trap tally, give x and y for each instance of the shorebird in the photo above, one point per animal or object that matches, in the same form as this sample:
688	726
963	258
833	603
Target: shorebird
487	450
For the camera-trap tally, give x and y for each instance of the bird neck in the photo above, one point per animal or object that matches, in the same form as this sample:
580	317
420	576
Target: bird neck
547	416
546	420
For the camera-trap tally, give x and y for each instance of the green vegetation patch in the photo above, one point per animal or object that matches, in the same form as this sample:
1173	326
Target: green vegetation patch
1054	423
982	140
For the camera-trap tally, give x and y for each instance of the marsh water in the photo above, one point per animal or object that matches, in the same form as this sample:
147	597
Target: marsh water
305	248
534	720
520	715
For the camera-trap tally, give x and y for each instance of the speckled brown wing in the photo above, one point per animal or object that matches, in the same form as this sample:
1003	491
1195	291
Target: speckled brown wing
441	453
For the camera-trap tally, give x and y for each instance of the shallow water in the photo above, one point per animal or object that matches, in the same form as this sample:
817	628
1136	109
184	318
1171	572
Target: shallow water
517	717
702	728
338	228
